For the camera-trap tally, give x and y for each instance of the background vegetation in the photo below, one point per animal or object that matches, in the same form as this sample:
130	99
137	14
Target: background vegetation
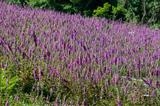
137	11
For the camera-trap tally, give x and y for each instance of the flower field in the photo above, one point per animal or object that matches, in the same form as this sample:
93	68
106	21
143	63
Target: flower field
65	59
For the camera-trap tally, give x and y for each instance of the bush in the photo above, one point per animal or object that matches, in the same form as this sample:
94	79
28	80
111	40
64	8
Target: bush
119	12
104	11
110	11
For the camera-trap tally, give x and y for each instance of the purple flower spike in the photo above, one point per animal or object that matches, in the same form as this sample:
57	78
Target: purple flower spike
73	35
148	82
153	93
35	75
119	103
7	103
115	79
54	72
156	72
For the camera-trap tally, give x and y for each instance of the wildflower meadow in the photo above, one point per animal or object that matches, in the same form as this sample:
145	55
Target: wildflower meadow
51	58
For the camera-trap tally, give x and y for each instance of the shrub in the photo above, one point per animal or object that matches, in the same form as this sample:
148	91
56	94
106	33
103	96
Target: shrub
104	11
111	12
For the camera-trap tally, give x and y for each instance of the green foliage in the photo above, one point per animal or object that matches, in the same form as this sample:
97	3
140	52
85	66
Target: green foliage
23	100
69	8
8	81
145	11
119	12
26	75
104	11
39	3
110	11
87	12
14	1
156	25
75	1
